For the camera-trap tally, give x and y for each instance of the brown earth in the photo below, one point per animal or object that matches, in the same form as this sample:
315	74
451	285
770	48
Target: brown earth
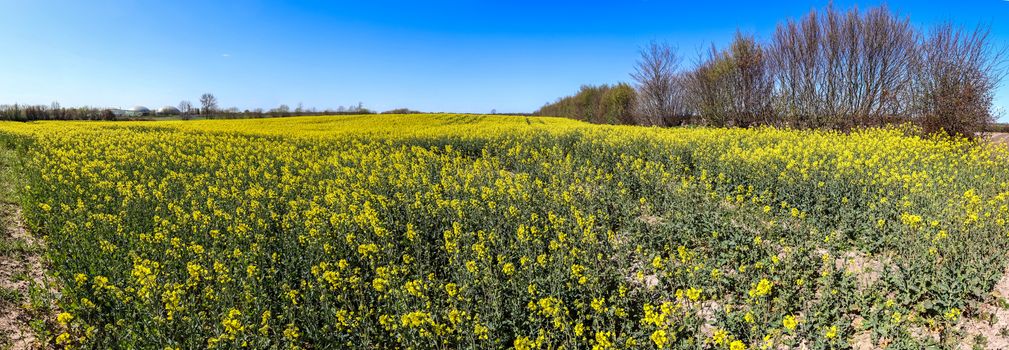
21	269
997	137
25	292
992	323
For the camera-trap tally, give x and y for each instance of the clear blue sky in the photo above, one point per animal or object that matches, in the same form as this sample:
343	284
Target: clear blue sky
462	56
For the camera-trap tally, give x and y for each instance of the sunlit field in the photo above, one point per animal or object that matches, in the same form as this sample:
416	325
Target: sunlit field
466	231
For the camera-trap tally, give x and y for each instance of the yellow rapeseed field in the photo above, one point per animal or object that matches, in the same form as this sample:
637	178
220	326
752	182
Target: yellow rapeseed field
466	231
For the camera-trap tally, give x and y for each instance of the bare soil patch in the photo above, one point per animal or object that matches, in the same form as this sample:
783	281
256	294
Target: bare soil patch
992	322
21	268
1000	138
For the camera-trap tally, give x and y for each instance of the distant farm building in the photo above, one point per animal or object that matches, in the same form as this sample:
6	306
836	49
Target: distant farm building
138	111
169	110
141	110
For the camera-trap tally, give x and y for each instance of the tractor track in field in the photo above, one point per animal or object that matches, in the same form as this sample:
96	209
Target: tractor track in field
1000	138
26	291
21	269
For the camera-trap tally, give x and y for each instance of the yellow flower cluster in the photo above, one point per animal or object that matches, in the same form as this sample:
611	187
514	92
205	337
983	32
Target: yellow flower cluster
466	231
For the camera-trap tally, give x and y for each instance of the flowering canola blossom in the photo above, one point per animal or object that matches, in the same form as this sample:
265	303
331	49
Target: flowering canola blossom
465	231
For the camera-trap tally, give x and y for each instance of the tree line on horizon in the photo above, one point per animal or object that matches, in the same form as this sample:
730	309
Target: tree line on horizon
208	108
829	69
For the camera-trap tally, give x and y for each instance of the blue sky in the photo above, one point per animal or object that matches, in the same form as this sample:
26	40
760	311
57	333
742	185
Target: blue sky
460	56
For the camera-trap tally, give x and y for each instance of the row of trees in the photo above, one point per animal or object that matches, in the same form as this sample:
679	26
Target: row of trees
402	111
828	69
602	104
18	112
208	109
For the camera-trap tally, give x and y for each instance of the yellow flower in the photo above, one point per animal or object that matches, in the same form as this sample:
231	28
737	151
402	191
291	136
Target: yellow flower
63	318
720	336
694	293
452	289
80	278
598	304
576	270
379	284
292	333
603	340
264	323
952	314
480	331
631	343
63	338
194	204
762	288
659	338
831	332
293	295
524	343
367	250
415	288
416	319
657	263
789	322
410	233
232	325
767	343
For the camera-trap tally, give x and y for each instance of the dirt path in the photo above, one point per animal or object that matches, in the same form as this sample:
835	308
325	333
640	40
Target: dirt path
24	294
1001	138
21	270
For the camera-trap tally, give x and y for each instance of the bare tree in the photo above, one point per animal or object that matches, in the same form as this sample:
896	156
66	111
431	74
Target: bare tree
209	102
956	78
827	69
185	107
56	111
750	80
655	74
732	86
841	69
888	45
709	89
795	57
